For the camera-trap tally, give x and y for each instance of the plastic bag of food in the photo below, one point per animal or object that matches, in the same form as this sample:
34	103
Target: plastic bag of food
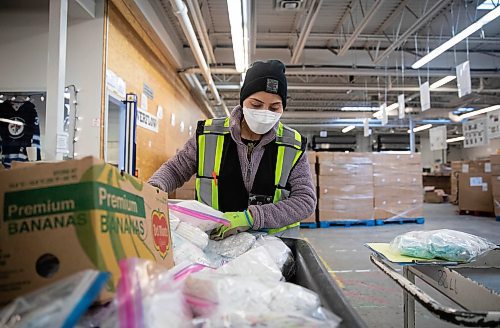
450	245
255	263
197	214
280	252
150	296
193	234
185	251
320	318
232	246
60	304
247	301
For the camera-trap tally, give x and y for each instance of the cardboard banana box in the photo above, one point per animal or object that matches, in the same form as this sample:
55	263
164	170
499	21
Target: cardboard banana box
59	218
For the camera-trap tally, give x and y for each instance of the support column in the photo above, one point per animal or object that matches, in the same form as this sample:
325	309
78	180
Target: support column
412	136
56	76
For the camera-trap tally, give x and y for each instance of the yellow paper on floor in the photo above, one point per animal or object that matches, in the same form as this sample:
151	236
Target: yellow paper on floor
385	250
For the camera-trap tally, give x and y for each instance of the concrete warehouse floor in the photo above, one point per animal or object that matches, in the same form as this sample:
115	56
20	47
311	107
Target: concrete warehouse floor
374	295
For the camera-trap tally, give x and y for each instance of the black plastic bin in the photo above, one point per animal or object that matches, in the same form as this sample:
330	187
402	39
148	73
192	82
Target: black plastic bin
312	274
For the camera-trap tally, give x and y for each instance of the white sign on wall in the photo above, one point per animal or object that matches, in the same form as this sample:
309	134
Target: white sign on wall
437	138
383	110
159	112
475	133
493	124
463	79
147	120
144	102
425	96
116	84
366	128
401	108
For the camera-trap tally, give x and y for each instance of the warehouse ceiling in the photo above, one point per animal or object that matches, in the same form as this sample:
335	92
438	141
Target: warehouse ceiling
342	53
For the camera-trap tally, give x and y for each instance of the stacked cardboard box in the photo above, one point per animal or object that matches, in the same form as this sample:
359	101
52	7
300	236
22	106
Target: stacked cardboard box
474	187
433	195
186	191
345	186
398	186
312	159
495	182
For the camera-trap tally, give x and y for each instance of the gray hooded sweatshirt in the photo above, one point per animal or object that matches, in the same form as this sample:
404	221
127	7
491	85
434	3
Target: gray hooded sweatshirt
300	204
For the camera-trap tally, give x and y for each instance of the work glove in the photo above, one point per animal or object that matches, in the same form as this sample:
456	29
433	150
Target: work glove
240	221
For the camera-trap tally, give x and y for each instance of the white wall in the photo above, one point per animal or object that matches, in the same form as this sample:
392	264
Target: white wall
23	59
84	69
23	50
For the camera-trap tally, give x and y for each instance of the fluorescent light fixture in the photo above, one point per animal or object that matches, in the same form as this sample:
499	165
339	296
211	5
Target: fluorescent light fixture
442	82
388	109
421	128
488	5
236	22
479	112
358	109
455	139
348	128
465	109
457	38
6	120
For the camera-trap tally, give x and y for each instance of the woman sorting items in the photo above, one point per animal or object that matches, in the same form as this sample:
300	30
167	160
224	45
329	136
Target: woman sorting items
249	166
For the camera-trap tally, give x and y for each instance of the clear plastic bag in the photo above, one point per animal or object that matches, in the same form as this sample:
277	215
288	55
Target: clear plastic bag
450	245
150	296
232	246
255	263
185	251
321	318
193	234
239	301
197	214
60	304
279	251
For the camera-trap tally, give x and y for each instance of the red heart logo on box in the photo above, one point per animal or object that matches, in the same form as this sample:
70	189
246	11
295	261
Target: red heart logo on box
161	234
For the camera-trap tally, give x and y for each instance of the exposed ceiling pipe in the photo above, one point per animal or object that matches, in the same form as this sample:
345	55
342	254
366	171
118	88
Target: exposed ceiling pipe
252	43
353	71
328	87
201	28
180	11
360	27
306	29
421	21
357	123
309	115
200	93
282	36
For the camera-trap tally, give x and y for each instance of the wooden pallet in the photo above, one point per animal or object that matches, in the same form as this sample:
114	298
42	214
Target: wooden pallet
400	221
346	223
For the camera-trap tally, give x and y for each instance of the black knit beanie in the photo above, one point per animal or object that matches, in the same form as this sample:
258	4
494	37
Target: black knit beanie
268	76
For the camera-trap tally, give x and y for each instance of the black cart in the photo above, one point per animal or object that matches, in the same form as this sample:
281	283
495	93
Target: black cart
311	274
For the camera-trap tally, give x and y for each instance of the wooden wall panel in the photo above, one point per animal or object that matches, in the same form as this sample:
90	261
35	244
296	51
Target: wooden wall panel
131	59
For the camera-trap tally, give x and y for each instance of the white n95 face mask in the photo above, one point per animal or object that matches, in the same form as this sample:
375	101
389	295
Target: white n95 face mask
260	121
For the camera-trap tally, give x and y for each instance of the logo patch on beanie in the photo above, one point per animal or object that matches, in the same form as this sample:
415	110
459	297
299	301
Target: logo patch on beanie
272	86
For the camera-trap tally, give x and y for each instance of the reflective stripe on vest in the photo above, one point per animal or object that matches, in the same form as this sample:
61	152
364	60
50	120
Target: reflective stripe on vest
210	147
